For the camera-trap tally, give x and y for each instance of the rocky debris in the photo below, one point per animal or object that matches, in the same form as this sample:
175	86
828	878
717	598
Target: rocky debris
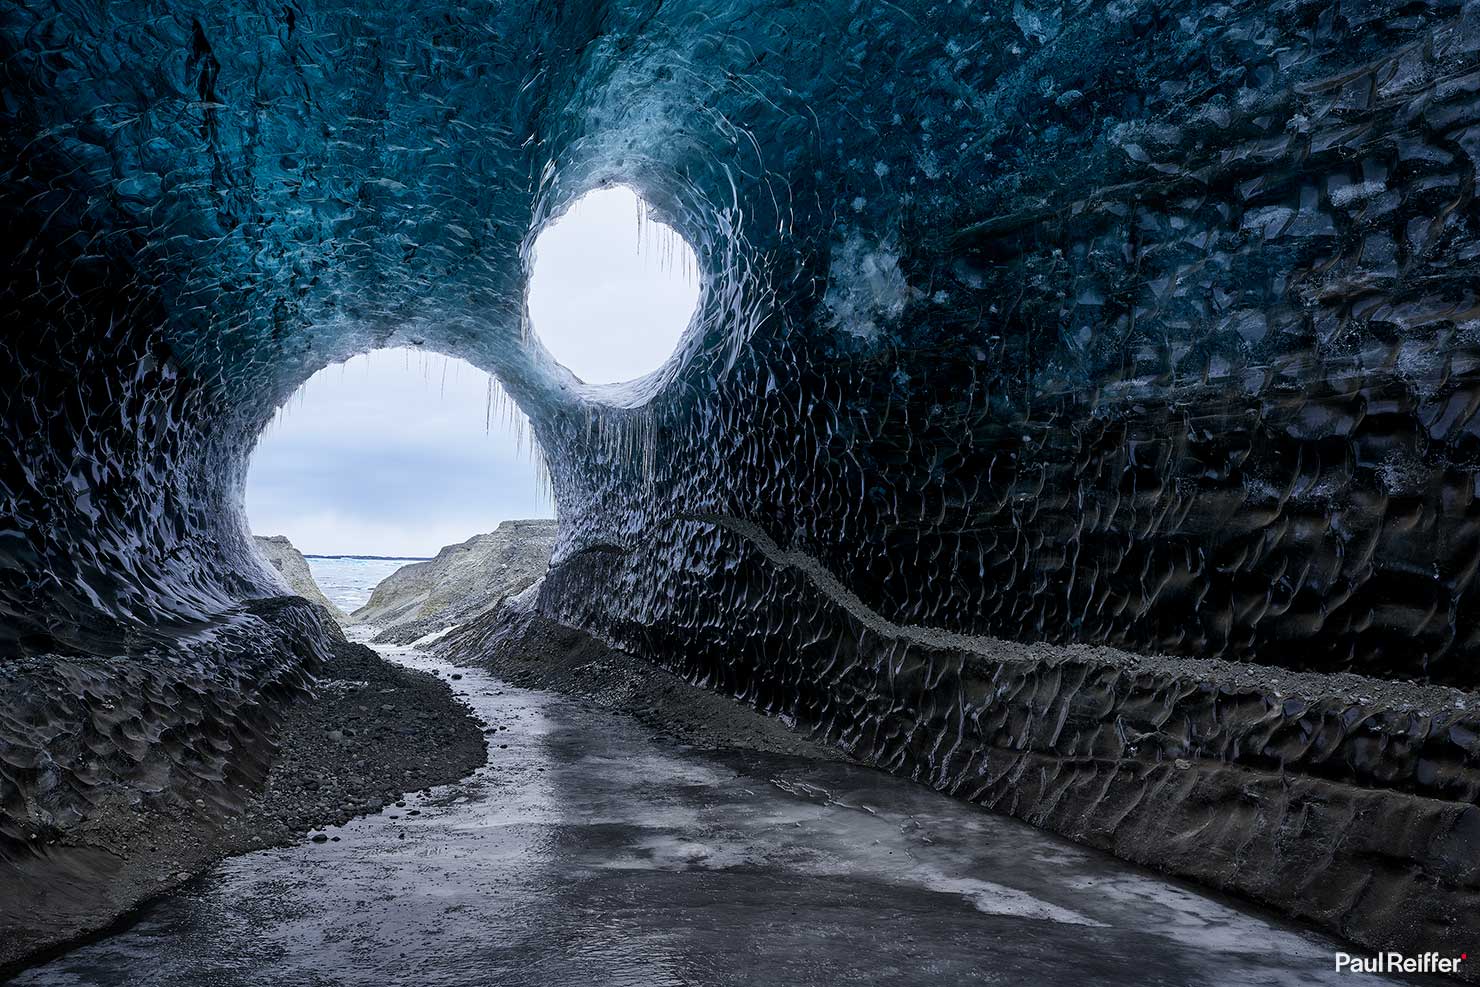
462	582
369	732
293	567
372	731
522	646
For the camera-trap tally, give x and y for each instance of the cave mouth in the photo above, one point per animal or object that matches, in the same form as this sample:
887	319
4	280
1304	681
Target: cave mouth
612	290
394	453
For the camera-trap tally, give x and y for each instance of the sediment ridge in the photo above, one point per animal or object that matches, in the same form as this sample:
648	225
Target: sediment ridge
349	737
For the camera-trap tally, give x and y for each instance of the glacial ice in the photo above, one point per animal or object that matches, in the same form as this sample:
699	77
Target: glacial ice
1091	330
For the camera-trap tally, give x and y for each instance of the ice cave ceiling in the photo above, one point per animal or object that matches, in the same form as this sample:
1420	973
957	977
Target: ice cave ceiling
1152	323
1149	323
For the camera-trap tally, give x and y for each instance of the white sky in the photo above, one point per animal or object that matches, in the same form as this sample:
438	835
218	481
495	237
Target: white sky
377	456
608	306
386	454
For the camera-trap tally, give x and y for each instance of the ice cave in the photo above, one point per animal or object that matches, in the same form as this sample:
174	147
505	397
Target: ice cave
1077	423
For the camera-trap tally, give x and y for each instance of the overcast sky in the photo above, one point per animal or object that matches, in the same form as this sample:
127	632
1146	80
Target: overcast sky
377	457
608	306
387	454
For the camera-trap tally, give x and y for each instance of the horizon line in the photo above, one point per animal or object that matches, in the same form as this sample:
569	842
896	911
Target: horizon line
379	558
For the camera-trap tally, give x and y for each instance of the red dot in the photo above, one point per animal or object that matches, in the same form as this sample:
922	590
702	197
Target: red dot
1464	956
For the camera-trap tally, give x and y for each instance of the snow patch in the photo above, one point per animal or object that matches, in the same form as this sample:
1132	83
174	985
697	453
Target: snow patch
865	286
427	639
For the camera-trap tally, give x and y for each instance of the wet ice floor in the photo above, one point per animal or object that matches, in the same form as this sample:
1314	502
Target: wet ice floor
591	852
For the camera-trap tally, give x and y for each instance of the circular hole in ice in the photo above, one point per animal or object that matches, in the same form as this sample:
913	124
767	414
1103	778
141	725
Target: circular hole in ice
612	290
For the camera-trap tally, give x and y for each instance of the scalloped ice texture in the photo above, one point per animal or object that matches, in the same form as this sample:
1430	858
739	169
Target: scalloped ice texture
1152	326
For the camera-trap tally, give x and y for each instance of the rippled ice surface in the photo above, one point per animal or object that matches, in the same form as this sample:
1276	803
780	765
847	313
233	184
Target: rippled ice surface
590	852
348	582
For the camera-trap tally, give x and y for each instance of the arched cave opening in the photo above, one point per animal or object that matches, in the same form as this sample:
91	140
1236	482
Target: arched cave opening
387	459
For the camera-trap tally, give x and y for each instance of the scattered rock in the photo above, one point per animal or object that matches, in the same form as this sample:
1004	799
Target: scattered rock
520	645
305	788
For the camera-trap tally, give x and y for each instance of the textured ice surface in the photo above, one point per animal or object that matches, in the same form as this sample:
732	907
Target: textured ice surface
589	851
1147	325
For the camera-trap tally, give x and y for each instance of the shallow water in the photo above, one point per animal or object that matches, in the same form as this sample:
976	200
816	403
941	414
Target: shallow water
590	851
348	583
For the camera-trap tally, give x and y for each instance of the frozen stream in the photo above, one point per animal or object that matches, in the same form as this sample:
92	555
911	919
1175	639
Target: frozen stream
590	852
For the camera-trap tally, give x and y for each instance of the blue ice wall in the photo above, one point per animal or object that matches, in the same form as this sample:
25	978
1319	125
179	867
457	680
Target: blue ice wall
1132	323
1148	324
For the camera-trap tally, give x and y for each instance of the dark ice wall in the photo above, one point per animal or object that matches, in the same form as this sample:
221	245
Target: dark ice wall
1185	366
1144	324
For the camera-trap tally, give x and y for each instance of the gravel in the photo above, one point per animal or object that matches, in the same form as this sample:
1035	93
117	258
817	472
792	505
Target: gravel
370	732
527	649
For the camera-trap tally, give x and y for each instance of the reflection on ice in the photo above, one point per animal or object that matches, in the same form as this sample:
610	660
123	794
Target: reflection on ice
590	851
